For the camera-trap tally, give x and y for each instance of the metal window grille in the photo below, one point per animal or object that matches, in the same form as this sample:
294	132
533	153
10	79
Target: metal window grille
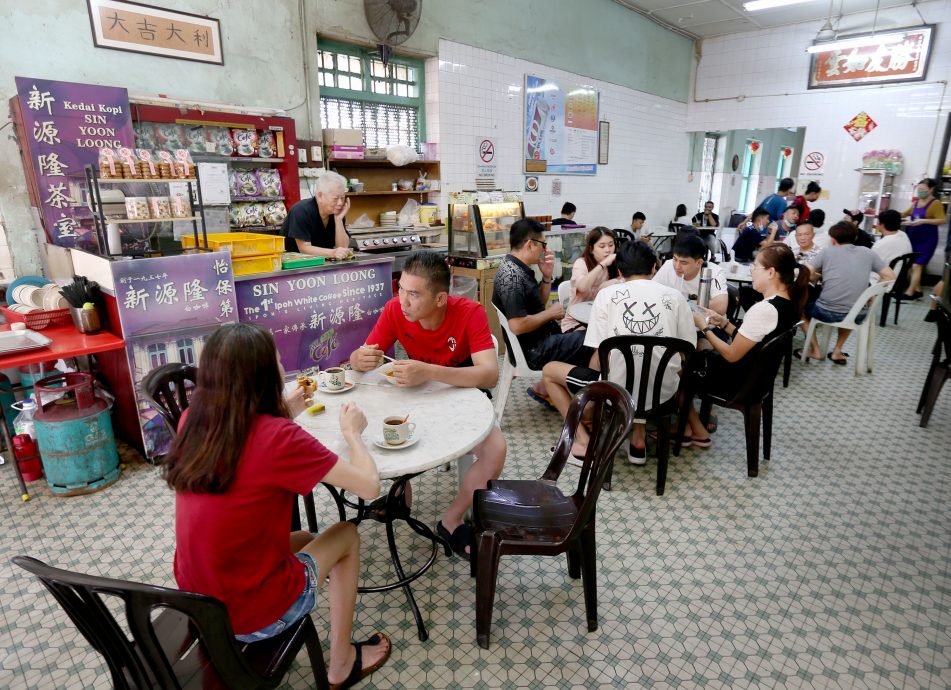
382	124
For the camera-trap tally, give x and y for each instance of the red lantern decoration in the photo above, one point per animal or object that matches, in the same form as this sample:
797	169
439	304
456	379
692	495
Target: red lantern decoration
787	153
754	146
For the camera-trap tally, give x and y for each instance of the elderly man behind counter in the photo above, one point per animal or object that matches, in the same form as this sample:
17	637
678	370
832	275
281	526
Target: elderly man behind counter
318	225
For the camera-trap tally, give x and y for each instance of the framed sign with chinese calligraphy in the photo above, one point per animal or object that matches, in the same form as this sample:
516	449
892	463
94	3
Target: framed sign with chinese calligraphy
139	28
895	56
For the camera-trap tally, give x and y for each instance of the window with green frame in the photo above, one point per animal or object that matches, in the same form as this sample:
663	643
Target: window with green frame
357	91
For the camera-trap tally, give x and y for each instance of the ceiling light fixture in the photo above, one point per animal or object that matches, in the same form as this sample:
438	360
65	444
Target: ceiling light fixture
770	4
848	43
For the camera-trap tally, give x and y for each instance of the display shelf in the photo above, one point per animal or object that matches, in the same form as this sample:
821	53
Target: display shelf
380	175
256	228
128	180
199	158
257	198
374	163
126	221
389	192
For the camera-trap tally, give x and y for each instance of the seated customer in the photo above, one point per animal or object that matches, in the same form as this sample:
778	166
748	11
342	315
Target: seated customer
637	306
806	247
845	270
447	339
856	218
777	231
637	226
567	215
520	298
592	271
783	283
751	236
893	242
236	466
682	273
820	238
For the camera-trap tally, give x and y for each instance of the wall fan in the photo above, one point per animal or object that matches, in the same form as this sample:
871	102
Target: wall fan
392	21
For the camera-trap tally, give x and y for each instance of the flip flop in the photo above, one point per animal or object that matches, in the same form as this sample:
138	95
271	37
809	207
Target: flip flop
358	673
459	539
841	362
797	354
540	399
712	423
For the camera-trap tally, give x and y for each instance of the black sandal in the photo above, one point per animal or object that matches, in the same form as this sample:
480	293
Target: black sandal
458	540
358	673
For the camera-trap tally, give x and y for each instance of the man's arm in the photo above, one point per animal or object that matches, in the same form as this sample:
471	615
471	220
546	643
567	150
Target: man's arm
720	303
526	324
886	274
305	247
484	372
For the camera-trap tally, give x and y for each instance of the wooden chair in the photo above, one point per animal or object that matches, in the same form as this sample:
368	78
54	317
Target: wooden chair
940	370
902	267
647	400
754	398
534	517
179	639
168	388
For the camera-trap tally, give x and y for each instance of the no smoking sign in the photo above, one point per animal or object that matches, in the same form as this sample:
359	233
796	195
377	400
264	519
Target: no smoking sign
813	161
487	151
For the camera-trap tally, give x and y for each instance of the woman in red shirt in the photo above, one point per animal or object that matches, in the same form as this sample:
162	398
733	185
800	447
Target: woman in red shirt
236	466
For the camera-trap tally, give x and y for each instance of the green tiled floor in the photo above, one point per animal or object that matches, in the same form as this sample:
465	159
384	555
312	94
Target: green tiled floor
830	570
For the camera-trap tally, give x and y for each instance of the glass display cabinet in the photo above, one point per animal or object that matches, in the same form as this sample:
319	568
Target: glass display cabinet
479	223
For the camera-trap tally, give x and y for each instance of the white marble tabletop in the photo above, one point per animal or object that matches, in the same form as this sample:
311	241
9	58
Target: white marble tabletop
450	421
737	272
580	311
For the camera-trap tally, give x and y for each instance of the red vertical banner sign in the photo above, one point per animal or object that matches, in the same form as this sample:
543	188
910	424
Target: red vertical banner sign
63	127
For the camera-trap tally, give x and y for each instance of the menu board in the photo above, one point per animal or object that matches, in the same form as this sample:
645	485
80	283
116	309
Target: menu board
560	127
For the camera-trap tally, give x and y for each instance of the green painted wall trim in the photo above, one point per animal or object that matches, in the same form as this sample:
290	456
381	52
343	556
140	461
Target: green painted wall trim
629	50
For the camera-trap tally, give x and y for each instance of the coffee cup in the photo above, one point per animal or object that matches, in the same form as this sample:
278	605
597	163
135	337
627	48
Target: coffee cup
333	379
395	431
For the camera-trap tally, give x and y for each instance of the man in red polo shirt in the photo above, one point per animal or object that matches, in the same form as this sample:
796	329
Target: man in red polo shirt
448	340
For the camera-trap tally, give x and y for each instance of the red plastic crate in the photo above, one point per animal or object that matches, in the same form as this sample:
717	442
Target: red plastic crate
38	320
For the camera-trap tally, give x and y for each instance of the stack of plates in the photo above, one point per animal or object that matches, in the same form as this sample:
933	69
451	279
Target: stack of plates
388	219
485	184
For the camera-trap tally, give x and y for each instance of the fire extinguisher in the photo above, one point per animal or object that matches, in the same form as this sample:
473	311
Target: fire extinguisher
27	454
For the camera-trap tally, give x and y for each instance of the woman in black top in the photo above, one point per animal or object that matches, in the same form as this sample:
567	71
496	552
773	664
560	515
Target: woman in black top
784	284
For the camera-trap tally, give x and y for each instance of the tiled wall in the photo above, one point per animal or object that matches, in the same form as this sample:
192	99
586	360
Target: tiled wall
758	80
474	94
6	261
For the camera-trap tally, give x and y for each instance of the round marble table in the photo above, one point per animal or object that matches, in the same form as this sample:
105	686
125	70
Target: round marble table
450	421
580	311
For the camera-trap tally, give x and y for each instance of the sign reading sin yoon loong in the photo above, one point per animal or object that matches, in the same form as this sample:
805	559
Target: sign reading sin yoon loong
64	126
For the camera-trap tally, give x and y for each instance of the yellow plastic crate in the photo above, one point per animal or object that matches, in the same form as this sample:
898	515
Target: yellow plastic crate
256	264
239	243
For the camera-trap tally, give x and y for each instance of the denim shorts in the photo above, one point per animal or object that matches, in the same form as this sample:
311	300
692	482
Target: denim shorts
814	311
306	602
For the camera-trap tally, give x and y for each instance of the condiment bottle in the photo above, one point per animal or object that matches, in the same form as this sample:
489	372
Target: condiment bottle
90	319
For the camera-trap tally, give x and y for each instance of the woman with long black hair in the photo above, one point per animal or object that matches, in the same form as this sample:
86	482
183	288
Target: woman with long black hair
237	464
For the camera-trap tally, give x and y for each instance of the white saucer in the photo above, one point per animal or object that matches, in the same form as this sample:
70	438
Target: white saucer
411	441
348	386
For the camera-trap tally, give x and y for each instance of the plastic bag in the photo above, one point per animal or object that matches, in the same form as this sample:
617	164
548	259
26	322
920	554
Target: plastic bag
401	155
409	214
362	222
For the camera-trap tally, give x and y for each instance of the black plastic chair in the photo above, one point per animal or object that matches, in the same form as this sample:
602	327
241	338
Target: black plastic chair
788	357
647	403
179	639
940	370
534	517
897	292
167	389
623	235
754	398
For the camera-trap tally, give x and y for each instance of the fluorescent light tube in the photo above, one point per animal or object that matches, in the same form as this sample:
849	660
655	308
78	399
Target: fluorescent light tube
769	4
857	42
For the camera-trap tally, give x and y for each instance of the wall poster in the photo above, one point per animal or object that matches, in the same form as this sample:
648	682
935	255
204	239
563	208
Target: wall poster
560	127
900	56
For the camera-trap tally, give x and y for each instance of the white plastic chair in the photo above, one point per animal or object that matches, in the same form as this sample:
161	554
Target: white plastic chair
510	371
864	332
566	293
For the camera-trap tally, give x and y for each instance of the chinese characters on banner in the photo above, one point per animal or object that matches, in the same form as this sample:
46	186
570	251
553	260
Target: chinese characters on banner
64	126
860	125
146	29
168	307
317	318
903	59
163	294
560	128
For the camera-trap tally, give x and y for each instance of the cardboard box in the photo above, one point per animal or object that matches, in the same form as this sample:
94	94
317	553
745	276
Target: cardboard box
343	137
348	149
356	154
